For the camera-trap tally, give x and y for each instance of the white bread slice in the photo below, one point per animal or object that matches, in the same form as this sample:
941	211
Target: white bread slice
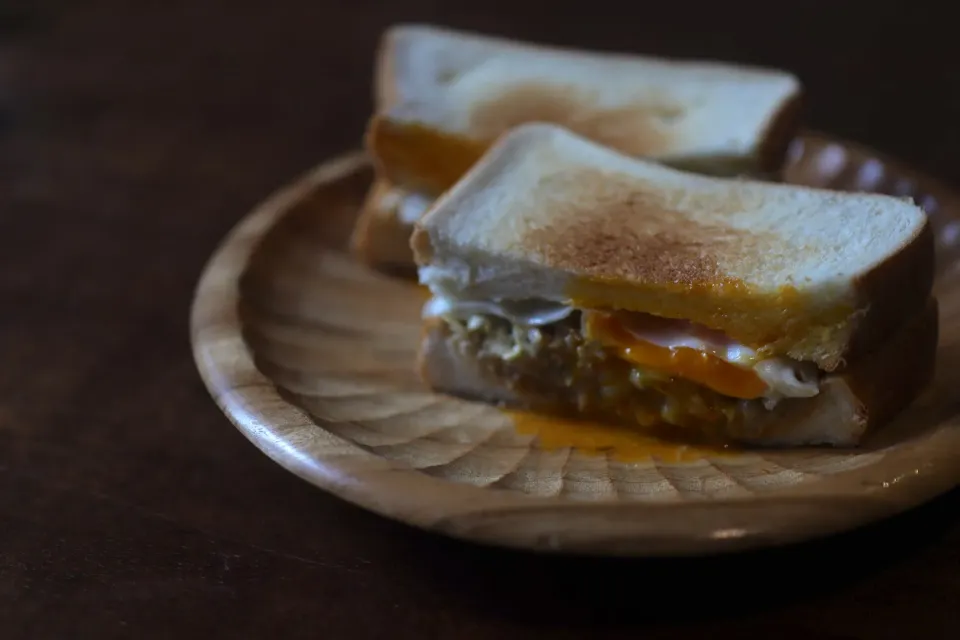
849	406
439	90
381	235
813	274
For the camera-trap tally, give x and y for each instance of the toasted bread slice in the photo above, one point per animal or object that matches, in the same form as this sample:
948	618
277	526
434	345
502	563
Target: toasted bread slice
812	274
867	395
381	236
445	95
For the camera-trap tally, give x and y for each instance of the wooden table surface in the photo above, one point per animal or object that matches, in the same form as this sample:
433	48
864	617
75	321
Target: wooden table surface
133	135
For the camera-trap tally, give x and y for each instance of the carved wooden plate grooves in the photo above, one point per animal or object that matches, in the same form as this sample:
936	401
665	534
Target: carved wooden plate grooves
311	356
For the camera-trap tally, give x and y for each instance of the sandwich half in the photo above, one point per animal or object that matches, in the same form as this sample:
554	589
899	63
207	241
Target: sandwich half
443	96
569	278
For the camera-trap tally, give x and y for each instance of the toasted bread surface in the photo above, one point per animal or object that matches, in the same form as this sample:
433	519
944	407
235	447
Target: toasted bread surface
814	274
448	93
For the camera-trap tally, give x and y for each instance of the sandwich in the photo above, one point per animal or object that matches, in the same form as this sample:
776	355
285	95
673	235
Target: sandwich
443	96
569	278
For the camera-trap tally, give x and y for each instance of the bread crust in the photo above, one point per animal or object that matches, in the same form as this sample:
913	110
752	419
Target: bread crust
870	393
891	293
780	132
380	239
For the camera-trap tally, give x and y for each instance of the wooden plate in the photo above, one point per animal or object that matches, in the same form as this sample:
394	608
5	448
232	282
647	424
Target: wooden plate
310	355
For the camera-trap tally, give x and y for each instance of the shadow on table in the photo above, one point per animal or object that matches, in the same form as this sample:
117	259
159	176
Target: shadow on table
591	591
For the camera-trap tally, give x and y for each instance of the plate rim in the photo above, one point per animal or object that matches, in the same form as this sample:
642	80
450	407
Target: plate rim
228	371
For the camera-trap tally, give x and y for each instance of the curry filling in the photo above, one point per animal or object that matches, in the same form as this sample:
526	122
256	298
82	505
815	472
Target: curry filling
556	369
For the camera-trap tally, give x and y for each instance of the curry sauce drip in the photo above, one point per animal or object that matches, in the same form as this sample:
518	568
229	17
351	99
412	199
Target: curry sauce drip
617	442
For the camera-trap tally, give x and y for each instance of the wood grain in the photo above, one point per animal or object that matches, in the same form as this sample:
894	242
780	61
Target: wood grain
311	356
134	135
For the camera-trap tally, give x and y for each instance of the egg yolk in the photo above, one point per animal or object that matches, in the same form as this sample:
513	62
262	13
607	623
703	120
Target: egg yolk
613	330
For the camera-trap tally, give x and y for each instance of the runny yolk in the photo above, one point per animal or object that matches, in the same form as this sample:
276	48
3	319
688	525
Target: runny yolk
679	362
619	443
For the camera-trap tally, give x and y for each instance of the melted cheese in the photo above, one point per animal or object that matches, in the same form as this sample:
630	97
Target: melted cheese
674	348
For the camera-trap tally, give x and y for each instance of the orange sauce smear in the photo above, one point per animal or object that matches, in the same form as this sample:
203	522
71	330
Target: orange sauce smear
619	443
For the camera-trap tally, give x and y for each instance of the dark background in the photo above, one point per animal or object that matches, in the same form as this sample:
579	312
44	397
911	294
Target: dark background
135	133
